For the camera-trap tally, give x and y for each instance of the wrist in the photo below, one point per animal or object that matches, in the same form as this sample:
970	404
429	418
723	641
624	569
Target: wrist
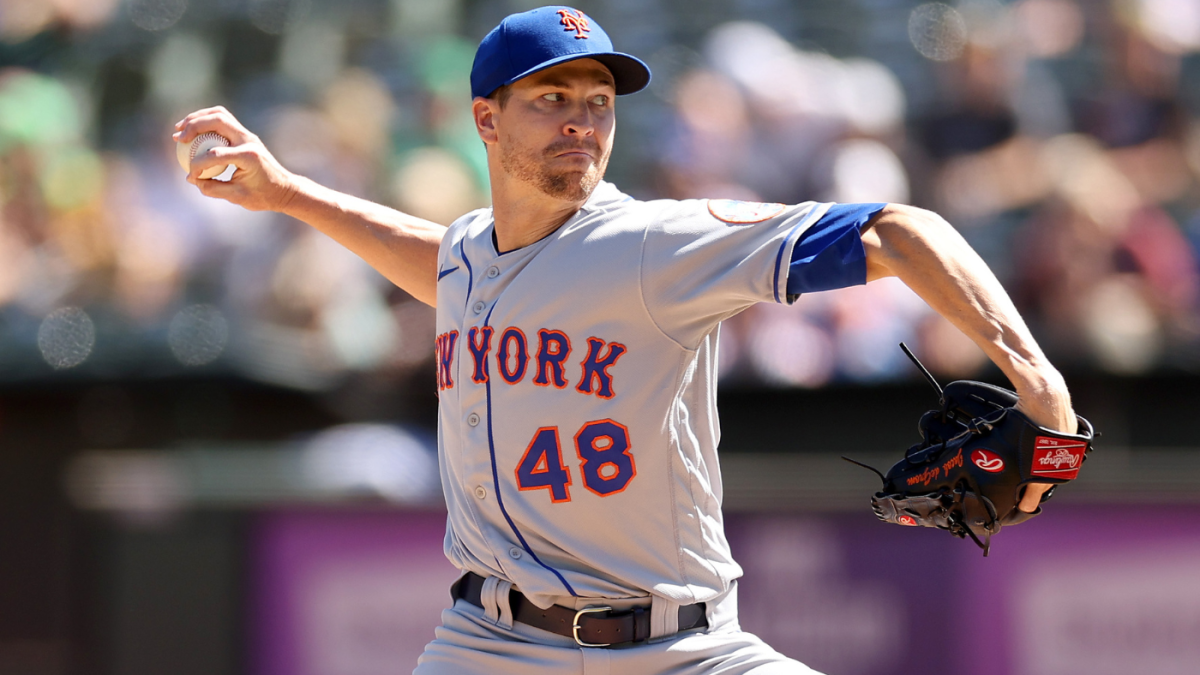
292	191
1044	399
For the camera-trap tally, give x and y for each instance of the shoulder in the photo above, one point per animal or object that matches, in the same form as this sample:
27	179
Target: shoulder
608	205
674	223
727	215
607	199
465	224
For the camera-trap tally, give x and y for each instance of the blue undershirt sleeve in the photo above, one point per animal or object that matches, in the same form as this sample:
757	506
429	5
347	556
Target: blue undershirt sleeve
830	254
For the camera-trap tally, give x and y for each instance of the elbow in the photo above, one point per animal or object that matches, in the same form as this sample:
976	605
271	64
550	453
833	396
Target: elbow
897	232
906	219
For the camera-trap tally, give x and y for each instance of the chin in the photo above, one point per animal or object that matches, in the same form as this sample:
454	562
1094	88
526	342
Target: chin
572	186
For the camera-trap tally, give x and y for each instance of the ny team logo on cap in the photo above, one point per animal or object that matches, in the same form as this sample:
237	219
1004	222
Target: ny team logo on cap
541	38
576	22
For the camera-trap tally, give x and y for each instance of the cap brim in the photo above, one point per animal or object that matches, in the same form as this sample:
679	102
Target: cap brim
630	74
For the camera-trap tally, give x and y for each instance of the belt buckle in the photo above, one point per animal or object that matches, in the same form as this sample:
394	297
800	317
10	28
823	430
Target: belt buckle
575	625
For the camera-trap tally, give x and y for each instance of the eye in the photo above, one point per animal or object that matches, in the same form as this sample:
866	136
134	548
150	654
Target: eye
600	100
554	97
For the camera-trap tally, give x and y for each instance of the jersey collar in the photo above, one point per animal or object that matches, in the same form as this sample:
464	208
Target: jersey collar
605	195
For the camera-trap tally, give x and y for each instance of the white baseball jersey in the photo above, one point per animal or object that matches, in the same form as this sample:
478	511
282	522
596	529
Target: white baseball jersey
577	379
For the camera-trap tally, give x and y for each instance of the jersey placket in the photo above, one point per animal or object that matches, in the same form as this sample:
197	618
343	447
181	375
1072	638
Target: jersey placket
492	274
495	273
476	478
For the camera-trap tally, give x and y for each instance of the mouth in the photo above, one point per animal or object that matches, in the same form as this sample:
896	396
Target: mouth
575	152
572	150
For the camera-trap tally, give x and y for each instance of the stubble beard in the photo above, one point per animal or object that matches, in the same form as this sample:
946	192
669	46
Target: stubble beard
532	167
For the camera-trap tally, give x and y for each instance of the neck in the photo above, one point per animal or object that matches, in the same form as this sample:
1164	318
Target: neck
524	215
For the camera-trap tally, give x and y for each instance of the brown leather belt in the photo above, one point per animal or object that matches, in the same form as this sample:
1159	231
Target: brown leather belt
591	626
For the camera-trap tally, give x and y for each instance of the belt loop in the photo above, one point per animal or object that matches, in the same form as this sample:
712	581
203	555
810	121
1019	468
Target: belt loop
664	617
504	602
487	598
497	610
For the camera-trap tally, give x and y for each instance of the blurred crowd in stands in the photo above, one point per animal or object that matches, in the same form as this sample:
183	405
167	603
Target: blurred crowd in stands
1061	137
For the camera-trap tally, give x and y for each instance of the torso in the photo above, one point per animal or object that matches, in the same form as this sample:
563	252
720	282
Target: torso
585	462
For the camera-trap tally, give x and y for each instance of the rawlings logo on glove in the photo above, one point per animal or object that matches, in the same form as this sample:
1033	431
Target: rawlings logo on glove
1056	457
933	487
987	461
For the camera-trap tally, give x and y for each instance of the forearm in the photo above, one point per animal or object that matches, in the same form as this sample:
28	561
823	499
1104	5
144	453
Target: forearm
932	259
401	247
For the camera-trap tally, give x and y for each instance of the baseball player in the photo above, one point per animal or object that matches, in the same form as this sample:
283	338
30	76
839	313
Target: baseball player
576	360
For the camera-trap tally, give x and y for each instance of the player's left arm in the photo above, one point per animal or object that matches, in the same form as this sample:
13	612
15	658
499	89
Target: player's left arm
931	257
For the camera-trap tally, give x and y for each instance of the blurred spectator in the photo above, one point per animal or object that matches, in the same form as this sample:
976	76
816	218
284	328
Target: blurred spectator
1054	133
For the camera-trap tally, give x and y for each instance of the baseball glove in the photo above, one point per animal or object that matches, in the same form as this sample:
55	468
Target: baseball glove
976	455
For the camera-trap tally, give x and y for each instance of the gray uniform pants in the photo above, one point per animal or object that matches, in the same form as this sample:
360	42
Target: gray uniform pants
485	641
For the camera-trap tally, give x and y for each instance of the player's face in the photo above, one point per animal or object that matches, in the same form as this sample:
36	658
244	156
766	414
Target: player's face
555	131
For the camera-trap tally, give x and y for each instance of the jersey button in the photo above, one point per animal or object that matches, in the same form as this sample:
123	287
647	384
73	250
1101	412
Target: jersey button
473	419
480	492
515	553
479	306
493	272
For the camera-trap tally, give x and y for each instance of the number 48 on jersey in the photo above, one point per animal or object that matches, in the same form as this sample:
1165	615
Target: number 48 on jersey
604	461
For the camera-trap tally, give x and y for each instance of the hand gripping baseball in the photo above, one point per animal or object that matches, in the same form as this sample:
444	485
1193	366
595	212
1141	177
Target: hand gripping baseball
260	182
976	457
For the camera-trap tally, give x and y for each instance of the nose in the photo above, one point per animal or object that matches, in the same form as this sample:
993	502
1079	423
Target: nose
580	122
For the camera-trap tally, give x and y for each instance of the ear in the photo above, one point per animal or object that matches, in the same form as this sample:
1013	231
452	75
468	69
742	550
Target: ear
485	111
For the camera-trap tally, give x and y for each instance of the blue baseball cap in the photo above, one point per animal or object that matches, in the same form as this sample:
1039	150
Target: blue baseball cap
531	41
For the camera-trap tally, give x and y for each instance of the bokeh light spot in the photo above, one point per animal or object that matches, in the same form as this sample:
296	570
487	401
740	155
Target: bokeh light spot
156	15
1171	25
66	337
788	351
436	185
937	31
868	171
313	53
36	109
1120	325
198	334
22	20
275	16
360	109
72	179
182	71
372	459
1050	27
446	66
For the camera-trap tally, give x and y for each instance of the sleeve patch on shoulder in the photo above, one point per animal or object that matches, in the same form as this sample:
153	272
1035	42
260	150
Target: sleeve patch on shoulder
740	213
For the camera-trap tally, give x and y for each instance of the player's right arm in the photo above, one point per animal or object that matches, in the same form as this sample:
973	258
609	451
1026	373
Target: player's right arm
932	258
401	247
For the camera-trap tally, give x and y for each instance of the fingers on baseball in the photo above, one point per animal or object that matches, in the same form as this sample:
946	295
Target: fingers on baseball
217	120
230	192
243	157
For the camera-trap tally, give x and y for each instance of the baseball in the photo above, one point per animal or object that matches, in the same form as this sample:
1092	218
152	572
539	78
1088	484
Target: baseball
201	144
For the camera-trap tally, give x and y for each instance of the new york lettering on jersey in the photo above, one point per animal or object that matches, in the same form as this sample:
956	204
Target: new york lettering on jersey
513	358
